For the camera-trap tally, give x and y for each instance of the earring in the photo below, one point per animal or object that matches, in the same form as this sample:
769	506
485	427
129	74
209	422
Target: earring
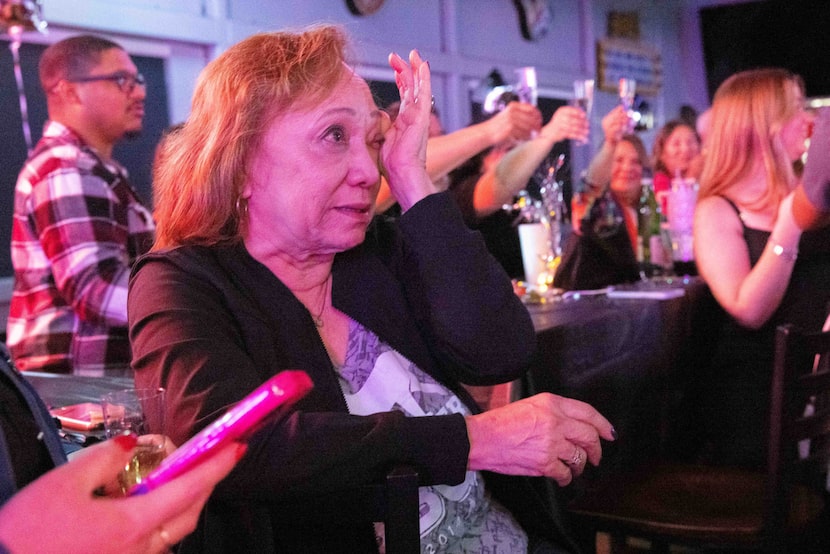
242	207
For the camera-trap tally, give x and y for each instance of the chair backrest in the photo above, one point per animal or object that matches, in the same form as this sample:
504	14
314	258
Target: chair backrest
396	504
799	412
393	501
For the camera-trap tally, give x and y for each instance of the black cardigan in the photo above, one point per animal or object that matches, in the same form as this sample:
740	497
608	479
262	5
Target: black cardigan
211	323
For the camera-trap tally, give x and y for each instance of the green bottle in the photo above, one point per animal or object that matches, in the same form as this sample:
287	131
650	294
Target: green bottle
648	226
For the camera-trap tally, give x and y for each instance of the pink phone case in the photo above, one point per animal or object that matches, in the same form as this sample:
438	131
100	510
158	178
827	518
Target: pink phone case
239	422
85	416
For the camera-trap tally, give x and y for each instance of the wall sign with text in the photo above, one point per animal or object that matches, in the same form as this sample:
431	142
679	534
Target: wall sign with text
636	60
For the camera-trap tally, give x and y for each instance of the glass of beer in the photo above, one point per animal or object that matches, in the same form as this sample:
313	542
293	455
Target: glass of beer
139	411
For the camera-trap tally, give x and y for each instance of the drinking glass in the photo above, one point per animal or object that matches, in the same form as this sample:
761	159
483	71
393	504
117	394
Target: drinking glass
584	95
534	242
681	209
140	411
526	86
628	88
584	98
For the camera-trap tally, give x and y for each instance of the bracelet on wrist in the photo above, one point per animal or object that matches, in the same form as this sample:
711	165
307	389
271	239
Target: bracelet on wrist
789	254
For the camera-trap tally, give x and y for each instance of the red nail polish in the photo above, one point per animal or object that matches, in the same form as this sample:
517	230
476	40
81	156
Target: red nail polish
241	448
127	441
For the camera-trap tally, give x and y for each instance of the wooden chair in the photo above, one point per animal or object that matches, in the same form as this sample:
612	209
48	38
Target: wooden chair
731	508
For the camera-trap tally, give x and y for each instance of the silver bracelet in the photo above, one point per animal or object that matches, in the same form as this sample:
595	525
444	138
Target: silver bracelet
790	254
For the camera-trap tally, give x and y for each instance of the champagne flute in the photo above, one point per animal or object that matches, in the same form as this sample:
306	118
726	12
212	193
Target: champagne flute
138	411
527	88
584	97
628	88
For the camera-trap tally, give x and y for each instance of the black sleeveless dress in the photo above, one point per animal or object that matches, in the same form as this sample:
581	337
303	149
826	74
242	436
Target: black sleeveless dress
734	395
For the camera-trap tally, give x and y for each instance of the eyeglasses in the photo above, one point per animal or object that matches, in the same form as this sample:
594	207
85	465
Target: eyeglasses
125	81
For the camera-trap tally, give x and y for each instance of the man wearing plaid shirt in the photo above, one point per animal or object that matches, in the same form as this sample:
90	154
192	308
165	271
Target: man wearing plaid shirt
78	224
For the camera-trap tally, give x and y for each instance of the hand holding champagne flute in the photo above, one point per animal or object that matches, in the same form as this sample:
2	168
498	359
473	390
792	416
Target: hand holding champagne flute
139	411
628	89
526	88
584	97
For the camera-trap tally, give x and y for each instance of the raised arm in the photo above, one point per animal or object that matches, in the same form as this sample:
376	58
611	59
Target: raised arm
749	294
447	152
499	184
613	127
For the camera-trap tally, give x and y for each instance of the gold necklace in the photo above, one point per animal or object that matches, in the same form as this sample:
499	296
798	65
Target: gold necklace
318	319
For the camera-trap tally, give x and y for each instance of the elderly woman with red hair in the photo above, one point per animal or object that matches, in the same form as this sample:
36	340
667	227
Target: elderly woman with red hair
268	258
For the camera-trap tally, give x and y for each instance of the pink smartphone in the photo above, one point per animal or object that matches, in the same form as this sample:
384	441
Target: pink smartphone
279	392
85	416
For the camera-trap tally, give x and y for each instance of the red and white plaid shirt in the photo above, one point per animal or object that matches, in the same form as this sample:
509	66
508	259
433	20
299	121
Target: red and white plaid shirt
78	226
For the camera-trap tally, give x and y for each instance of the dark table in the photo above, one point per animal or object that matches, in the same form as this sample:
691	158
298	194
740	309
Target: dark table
630	358
60	390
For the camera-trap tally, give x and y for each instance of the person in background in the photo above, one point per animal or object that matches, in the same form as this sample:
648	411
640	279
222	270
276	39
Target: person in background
267	231
495	176
761	266
49	505
591	258
628	167
619	166
676	153
447	151
615	125
78	224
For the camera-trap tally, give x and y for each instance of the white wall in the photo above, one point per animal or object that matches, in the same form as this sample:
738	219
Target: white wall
463	39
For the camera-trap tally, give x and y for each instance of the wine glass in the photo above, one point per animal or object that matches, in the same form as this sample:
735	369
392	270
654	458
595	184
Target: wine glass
137	411
628	88
584	97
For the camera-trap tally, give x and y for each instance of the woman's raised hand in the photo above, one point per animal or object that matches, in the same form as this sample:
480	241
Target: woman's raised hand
405	148
517	121
567	122
545	435
614	125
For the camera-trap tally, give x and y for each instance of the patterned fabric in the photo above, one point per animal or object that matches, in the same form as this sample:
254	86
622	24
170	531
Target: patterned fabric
78	226
460	518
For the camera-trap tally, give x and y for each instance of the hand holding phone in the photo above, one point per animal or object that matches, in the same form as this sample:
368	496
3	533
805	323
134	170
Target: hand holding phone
237	424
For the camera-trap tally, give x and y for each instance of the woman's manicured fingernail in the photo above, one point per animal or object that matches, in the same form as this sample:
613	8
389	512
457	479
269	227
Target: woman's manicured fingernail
126	441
